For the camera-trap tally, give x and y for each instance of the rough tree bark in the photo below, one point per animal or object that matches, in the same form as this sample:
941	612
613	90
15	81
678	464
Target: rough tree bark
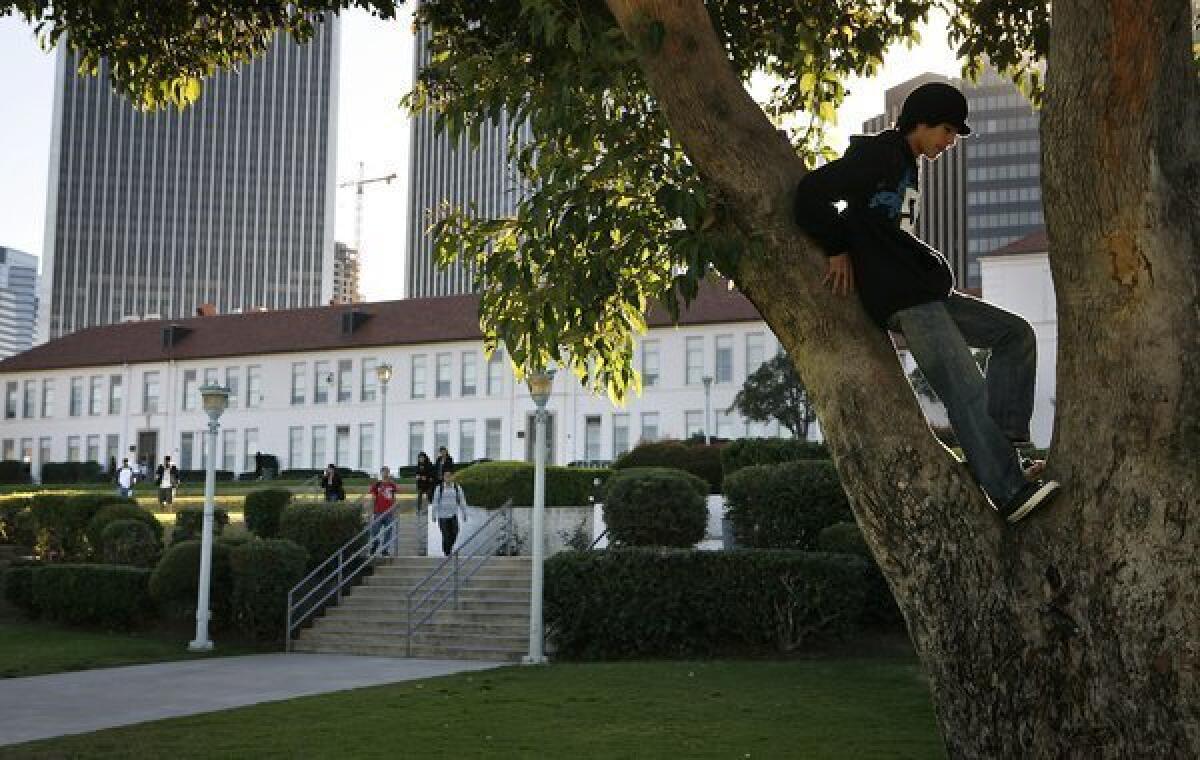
1075	633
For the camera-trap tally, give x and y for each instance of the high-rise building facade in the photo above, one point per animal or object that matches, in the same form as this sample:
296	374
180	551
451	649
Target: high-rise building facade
444	172
18	301
346	281
228	202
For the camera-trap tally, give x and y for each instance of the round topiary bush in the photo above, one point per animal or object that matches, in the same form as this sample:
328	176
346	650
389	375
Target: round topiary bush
702	461
176	580
263	573
189	522
321	529
129	542
121	511
263	509
655	509
843	538
785	506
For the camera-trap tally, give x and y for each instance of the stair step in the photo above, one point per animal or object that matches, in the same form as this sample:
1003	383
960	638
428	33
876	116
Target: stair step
422	651
447	630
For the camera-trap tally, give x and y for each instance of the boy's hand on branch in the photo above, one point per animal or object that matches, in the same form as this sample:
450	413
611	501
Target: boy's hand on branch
840	277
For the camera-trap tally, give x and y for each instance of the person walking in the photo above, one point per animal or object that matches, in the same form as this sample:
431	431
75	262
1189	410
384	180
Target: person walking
907	287
443	464
426	480
331	481
446	505
167	478
383	493
125	479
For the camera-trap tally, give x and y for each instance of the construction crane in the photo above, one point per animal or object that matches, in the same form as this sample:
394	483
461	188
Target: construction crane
358	200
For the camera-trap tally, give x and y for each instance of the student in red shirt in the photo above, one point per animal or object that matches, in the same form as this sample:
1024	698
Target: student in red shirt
384	493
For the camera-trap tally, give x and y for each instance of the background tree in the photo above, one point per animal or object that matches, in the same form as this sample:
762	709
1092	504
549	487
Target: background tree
775	391
1075	634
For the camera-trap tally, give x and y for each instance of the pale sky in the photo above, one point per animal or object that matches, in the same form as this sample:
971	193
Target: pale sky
376	70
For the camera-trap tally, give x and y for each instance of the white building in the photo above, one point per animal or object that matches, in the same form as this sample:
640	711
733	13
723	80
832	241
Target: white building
305	389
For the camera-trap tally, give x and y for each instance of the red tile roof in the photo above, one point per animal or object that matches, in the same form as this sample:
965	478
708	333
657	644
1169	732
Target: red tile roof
1035	242
389	323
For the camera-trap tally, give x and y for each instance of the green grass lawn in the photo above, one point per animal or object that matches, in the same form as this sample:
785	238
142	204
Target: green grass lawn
839	709
29	649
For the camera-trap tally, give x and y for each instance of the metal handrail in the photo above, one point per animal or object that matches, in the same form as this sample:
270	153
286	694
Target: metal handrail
597	539
479	553
344	565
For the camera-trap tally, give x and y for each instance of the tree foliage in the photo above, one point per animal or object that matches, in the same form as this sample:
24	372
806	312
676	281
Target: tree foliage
775	391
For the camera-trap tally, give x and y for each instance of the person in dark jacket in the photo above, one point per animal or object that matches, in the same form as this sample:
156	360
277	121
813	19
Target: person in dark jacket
426	480
443	464
331	481
908	287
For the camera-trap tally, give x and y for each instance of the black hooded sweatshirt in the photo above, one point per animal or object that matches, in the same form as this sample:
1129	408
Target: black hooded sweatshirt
877	178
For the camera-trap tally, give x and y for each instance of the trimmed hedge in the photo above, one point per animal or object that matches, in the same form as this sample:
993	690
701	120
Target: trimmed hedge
198	476
698	484
16	521
628	603
113	596
696	458
61	522
320	529
490	484
748	452
303	473
129	542
785	506
655	509
72	472
263	509
880	609
176	580
263	573
14	472
17	581
122	511
189	523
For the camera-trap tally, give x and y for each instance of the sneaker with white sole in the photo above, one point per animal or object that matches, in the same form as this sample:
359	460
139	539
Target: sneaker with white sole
1029	498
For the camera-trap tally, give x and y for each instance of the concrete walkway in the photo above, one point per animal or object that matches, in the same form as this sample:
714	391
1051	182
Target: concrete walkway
39	707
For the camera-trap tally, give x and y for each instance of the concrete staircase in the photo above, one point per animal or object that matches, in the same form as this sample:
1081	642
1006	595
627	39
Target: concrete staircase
412	532
490	621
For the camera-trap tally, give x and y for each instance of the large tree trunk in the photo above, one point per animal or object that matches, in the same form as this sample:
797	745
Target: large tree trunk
1075	633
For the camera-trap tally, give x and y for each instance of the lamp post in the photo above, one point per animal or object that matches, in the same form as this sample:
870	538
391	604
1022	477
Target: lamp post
384	373
707	380
215	398
539	388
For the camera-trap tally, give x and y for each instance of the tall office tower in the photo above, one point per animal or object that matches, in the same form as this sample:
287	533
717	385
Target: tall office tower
18	301
942	218
345	274
455	173
228	202
1004	193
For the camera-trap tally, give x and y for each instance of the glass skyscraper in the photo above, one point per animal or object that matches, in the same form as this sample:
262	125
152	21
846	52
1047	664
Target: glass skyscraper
18	301
228	202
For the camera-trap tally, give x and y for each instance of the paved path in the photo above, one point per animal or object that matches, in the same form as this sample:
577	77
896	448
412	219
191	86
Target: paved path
39	707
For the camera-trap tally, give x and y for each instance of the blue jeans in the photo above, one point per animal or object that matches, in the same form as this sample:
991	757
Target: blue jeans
381	531
987	416
124	493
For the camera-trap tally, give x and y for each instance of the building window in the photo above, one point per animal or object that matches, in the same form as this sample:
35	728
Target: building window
26	450
493	438
366	446
75	408
341	445
45	452
29	405
417	379
370	381
115	392
112	448
254	395
249	449
651	363
185	450
649	427
10	400
470	373
229	450
495	373
96	395
299	370
416	440
232	381
8	450
620	434
345	380
319	459
694	361
693	424
322	379
150	392
723	371
444	367
47	399
73	444
755	352
591	438
210	376
189	390
295	448
466	440
93	449
441	435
